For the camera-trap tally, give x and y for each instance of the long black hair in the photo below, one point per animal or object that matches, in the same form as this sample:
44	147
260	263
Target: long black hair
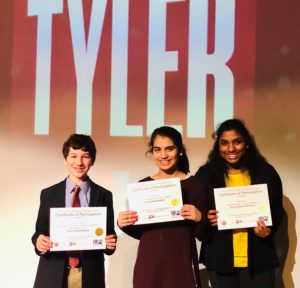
250	160
175	136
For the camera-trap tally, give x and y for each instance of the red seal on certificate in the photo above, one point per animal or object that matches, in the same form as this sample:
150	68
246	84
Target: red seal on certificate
223	223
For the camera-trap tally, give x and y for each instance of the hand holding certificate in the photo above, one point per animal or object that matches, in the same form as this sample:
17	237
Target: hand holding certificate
242	206
78	228
156	201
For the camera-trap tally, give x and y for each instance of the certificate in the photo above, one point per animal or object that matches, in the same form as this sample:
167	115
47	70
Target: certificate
156	201
242	206
82	228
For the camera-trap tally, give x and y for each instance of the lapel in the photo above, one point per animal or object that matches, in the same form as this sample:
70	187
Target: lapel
60	194
96	198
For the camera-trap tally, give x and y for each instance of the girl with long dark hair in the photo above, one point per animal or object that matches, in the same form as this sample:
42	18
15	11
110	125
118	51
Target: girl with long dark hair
239	258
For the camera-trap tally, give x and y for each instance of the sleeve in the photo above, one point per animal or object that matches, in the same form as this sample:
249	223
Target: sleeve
275	197
110	229
202	173
42	222
201	202
134	231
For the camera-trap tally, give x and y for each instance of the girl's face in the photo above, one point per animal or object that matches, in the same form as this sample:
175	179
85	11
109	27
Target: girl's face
232	147
165	154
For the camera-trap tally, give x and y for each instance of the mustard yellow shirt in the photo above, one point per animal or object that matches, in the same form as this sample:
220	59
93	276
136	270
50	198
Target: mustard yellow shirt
240	236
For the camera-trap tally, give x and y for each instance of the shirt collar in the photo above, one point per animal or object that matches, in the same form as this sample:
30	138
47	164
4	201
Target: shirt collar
84	186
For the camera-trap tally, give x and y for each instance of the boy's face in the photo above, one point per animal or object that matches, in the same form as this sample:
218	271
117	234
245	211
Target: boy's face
78	163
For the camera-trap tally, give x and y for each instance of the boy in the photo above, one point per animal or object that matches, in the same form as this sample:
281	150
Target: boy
57	269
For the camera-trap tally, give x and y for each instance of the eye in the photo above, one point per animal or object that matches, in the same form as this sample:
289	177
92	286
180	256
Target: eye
238	141
170	148
156	149
223	142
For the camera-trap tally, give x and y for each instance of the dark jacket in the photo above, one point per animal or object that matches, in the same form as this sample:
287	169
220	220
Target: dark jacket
217	248
52	265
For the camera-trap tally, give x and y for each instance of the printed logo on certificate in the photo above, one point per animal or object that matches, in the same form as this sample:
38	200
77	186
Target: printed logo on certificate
82	228
156	200
242	206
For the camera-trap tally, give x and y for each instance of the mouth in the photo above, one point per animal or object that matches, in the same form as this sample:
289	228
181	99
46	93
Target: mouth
165	164
233	156
79	170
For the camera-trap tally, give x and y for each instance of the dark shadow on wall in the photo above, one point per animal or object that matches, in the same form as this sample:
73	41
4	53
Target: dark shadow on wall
286	243
281	240
204	279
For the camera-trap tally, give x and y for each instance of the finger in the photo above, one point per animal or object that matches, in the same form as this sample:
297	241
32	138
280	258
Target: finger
212	212
129	214
111	247
187	206
213	222
213	217
109	237
112	241
128	221
261	223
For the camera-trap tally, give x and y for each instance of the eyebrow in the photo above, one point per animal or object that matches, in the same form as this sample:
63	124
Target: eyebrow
237	138
171	146
84	154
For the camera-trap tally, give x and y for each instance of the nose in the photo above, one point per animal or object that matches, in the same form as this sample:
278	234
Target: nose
231	147
163	154
79	161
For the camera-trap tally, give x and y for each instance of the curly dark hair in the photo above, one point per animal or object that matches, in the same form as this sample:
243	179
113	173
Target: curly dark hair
80	141
175	136
250	160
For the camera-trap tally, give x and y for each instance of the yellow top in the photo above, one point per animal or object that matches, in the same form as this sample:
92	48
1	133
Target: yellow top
240	236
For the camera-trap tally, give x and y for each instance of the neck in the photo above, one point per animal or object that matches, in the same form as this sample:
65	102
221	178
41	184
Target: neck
165	174
233	170
78	181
